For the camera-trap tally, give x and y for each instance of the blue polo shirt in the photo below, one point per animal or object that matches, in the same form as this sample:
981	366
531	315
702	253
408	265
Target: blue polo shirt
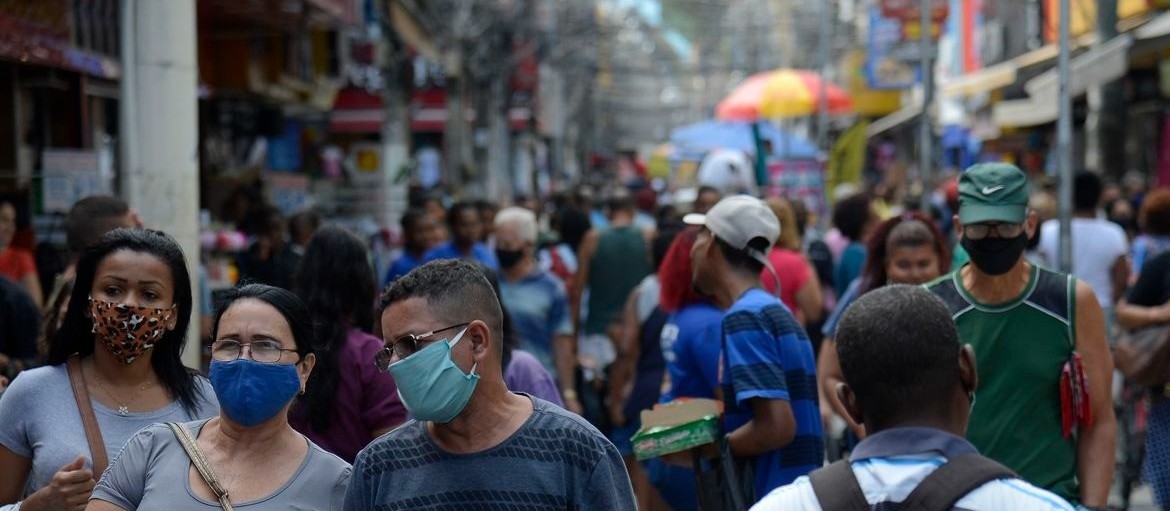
766	354
890	464
479	252
401	266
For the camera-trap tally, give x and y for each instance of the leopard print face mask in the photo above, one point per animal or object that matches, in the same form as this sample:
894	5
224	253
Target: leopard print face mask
128	331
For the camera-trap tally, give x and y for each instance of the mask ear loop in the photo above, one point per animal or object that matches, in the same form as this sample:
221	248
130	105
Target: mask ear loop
459	337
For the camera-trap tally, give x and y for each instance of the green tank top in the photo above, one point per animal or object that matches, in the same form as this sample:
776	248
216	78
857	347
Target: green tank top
618	265
1020	349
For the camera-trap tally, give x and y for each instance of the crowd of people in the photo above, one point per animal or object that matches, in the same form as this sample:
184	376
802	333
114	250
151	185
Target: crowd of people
505	355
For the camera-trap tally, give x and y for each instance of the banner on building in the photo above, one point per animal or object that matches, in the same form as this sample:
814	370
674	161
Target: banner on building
885	68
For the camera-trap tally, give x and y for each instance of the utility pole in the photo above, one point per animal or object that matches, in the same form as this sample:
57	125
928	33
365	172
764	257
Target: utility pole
158	132
1064	143
925	142
826	37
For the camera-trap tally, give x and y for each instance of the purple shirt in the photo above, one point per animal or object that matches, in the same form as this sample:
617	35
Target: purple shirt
366	401
526	374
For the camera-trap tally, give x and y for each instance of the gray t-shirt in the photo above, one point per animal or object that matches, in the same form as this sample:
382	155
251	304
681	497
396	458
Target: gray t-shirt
150	471
555	461
39	420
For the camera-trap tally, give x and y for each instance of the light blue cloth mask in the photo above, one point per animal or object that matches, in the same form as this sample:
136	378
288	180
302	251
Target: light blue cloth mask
431	386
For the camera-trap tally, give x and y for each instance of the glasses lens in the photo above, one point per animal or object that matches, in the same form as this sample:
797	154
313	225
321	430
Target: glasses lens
404	346
382	359
1009	230
266	351
225	351
976	231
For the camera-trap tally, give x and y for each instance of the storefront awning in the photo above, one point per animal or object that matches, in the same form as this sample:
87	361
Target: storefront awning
1157	27
904	115
1095	67
1005	73
356	110
1098	66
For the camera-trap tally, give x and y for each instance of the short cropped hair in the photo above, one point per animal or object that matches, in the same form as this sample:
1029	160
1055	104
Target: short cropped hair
456	292
851	214
899	350
1087	189
522	219
457	209
91	218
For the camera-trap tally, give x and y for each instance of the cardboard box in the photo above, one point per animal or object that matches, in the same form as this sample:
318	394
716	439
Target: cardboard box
677	426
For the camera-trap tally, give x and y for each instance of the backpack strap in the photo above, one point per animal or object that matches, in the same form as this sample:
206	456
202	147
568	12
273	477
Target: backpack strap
837	489
953	481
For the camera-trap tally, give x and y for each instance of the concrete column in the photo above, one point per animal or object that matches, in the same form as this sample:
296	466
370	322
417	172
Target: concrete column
159	127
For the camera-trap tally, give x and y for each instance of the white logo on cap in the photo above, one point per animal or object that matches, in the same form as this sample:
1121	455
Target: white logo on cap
988	190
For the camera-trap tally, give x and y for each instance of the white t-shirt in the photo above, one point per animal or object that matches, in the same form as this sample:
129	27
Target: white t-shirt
1096	245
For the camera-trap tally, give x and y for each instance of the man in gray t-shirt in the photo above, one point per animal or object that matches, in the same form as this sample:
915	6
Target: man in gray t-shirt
473	444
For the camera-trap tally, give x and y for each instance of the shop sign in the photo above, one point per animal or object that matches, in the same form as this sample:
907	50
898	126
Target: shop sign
70	175
886	66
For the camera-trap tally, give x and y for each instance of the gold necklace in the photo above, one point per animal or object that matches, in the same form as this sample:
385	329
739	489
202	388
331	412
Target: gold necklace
123	406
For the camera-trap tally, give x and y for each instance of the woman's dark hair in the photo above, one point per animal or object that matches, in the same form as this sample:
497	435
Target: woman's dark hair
851	214
908	230
76	333
336	282
295	312
572	225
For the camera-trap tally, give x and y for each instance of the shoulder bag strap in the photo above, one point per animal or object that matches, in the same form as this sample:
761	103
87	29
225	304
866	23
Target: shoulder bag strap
201	464
953	481
837	489
93	434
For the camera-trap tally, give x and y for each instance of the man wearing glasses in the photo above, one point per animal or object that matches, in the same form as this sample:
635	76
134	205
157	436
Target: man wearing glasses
472	443
1045	371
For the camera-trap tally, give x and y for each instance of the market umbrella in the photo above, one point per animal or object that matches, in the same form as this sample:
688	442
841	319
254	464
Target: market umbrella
779	94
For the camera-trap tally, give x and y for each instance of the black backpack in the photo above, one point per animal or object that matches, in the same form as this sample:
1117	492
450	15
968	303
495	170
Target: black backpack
837	489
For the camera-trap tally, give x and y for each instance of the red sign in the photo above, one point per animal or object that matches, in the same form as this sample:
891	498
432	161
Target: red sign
910	10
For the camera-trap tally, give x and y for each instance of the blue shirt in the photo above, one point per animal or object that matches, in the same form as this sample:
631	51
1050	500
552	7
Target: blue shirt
539	309
403	265
691	346
849	267
479	252
767	355
830	328
891	464
555	461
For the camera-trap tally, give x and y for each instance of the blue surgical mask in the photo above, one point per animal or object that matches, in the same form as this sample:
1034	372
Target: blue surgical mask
431	386
251	392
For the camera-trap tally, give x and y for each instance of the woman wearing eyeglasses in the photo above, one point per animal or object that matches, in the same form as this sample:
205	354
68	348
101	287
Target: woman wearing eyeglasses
249	456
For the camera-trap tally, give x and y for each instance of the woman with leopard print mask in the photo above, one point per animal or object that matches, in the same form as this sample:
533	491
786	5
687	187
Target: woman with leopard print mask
124	331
